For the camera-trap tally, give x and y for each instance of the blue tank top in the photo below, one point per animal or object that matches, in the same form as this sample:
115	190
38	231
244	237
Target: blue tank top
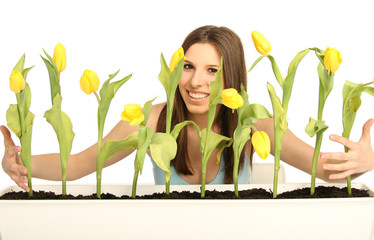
175	179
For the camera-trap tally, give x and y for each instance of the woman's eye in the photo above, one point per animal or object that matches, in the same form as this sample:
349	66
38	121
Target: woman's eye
188	66
212	70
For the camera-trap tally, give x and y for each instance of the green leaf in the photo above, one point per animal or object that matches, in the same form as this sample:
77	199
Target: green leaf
24	100
352	102
175	77
147	111
277	73
20	64
215	89
241	137
315	126
144	139
212	141
112	146
164	75
26	71
255	63
25	141
177	128
163	149
13	122
280	115
254	111
54	79
288	82
107	93
63	127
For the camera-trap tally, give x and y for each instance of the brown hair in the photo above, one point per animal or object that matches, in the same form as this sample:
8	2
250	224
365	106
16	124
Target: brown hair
234	74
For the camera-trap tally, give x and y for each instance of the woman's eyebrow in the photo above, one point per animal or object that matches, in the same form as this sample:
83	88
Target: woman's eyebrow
214	66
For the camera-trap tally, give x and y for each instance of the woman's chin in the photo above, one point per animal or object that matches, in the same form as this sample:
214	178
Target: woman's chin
198	110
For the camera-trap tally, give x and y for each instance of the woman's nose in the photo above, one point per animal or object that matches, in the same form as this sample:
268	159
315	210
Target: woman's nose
197	79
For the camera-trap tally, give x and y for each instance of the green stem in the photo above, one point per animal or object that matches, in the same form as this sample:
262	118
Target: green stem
276	170
235	174
315	161
203	178
134	182
349	183
167	188
169	111
29	184
97	97
63	181
98	183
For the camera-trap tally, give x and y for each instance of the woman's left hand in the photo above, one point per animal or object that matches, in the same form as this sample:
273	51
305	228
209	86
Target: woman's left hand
358	159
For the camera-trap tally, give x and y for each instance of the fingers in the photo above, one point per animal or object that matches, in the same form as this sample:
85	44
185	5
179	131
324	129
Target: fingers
17	174
366	130
12	151
342	140
336	156
342	175
8	141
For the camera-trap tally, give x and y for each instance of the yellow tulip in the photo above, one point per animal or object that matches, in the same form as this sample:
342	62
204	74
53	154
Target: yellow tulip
177	56
133	113
89	82
262	45
332	59
59	56
232	99
17	82
261	144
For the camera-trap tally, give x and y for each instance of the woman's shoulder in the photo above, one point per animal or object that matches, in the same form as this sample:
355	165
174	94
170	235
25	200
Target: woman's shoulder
155	114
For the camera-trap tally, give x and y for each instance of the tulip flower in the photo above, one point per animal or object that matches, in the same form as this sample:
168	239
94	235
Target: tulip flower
17	82
89	82
332	59
177	56
262	45
261	144
232	99
59	56
133	113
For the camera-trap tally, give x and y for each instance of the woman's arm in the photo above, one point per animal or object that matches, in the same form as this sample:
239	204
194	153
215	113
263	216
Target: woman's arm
48	166
331	166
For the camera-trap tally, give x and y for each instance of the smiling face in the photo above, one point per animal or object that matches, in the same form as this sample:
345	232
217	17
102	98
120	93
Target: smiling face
200	65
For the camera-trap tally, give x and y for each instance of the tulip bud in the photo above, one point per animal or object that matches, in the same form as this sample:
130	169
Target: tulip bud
177	56
17	82
332	59
232	99
262	45
261	144
133	113
89	82
59	56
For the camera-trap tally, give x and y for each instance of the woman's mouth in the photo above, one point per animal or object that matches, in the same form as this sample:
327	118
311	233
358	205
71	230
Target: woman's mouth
197	96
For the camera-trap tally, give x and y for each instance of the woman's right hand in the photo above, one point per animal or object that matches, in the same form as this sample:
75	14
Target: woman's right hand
12	163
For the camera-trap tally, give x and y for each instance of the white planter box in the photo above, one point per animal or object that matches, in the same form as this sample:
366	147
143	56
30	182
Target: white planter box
351	218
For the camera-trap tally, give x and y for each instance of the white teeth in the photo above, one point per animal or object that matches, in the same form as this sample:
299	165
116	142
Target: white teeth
197	95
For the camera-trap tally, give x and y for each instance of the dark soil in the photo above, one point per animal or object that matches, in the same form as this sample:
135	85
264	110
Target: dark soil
320	192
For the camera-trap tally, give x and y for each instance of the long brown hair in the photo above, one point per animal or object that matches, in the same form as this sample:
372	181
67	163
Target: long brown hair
234	74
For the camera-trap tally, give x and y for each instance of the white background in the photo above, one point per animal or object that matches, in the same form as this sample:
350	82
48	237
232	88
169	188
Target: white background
105	36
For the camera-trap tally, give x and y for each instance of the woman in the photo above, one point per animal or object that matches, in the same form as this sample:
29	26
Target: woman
204	48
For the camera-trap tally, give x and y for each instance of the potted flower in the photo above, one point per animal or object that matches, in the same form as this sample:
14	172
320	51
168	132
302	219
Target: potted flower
122	217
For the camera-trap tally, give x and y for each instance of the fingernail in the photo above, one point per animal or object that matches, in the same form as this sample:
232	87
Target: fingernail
331	177
325	166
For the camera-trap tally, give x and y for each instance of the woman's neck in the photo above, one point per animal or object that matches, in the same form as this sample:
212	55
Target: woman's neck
201	120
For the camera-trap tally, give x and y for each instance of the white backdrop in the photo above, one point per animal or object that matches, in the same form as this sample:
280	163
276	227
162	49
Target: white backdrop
130	36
